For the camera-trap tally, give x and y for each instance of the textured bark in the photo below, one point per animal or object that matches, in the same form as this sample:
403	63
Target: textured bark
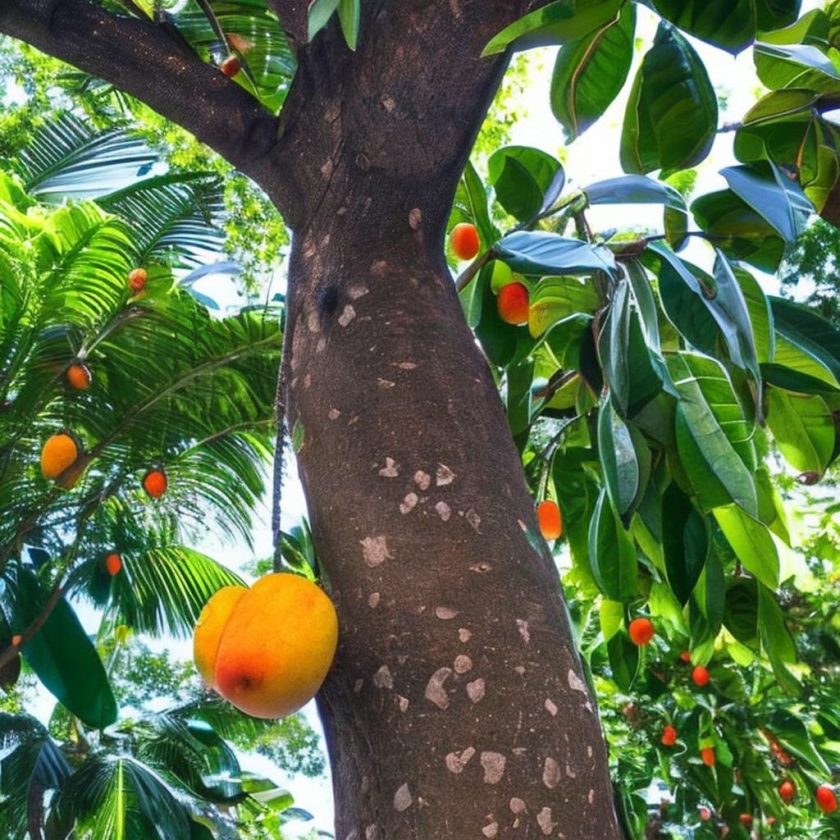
456	707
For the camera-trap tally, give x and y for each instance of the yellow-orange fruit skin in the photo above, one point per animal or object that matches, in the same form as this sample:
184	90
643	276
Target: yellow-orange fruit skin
113	564
512	304
276	647
155	483
79	377
464	241
58	453
230	66
137	279
551	522
209	627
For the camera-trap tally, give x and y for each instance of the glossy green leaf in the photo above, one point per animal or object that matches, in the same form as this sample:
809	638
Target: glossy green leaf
672	113
634	189
624	659
791	378
779	104
803	427
557	23
589	73
349	15
751	542
729	24
714	438
710	592
796	66
794	736
320	11
760	315
741	609
810	335
525	179
539	252
685	542
612	555
777	641
476	198
625	459
774	196
556	298
62	655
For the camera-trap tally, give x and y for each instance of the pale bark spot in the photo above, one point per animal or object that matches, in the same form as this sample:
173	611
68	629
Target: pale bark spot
445	613
520	669
463	634
523	630
473	518
551	773
307	381
591	797
391	469
490	830
406	365
388	103
482	567
357	686
545	822
378	267
443	475
408	503
570	771
422	479
356	292
385	383
575	682
372	832
494	767
463	664
353	835
383	678
456	762
443	511
321	345
475	690
415	218
435	691
403	701
589	751
373	600
312	322
551	707
347	315
334	414
375	550
402	798
517	805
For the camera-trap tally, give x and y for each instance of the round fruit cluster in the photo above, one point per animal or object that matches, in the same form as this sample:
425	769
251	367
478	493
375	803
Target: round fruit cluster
267	649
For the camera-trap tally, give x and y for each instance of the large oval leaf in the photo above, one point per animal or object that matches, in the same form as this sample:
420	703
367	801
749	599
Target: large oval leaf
612	555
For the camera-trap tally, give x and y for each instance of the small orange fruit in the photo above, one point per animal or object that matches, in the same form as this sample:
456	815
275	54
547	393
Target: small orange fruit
230	66
78	377
550	519
464	241
137	279
512	304
685	656
669	736
17	639
700	676
113	564
826	799
641	631
746	820
787	790
708	756
155	483
59	452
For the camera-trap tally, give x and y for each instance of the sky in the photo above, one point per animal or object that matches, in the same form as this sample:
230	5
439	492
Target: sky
592	158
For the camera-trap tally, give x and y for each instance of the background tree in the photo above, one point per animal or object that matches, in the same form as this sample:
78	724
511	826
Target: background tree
640	396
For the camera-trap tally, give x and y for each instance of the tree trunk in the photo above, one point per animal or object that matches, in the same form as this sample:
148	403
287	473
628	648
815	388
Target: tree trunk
456	707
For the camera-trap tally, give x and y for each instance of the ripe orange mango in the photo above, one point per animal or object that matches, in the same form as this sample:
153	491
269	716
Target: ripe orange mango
58	453
267	649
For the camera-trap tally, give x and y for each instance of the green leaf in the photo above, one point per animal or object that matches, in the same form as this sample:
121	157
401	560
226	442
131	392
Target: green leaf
741	609
709	593
760	314
809	334
477	200
624	660
729	24
526	180
793	735
556	298
320	12
589	73
634	189
779	104
625	459
540	252
751	542
774	196
672	113
714	439
612	555
777	641
349	15
796	66
685	542
557	23
297	436
61	654
803	427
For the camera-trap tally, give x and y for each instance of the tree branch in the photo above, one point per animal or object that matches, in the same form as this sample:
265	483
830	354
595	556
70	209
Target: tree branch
145	60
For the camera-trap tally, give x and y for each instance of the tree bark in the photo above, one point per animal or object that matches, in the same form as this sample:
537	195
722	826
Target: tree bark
457	706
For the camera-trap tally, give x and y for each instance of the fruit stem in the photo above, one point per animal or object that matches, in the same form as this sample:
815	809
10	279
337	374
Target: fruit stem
469	273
